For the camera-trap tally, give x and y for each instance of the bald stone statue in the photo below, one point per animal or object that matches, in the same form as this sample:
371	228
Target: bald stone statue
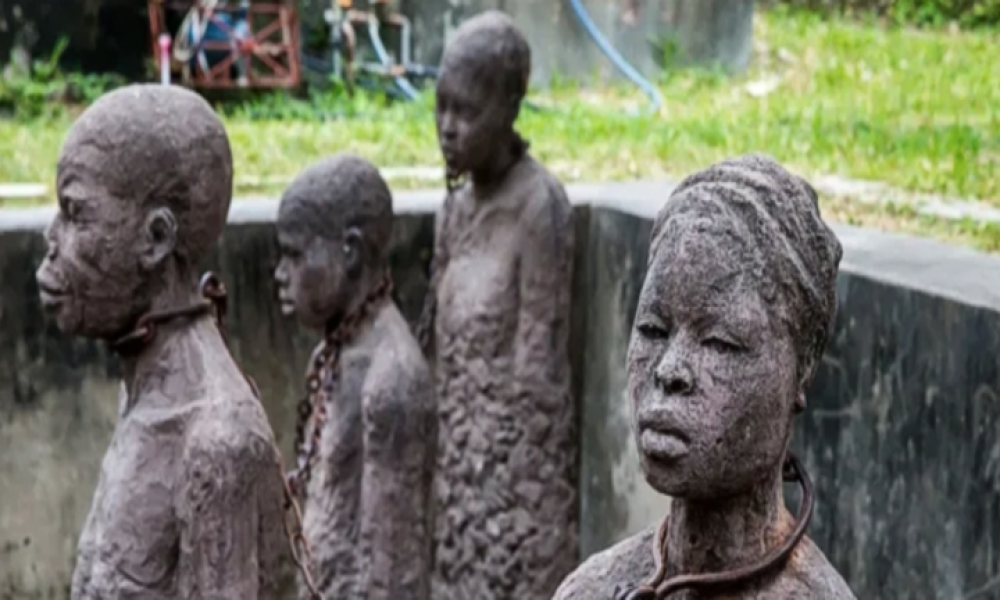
367	428
189	503
738	303
497	324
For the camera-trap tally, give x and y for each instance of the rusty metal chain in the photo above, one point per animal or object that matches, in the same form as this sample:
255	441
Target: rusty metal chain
324	368
658	589
146	326
214	292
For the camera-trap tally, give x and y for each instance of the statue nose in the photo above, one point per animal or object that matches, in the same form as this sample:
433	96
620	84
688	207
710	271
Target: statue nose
675	377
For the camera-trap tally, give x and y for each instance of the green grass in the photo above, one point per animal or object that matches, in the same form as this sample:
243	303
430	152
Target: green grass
916	109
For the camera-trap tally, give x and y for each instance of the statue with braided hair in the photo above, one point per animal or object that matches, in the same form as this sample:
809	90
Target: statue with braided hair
367	425
189	503
736	309
497	327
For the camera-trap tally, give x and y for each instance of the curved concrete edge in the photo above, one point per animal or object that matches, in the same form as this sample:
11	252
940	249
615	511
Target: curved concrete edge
945	270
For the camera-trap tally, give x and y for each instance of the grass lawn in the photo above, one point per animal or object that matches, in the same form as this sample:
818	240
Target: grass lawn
916	109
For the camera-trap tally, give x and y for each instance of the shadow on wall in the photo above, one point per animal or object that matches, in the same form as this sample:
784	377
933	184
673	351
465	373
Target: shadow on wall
901	434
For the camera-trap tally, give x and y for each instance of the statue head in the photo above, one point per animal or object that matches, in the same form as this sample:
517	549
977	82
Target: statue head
483	79
144	182
738	303
334	231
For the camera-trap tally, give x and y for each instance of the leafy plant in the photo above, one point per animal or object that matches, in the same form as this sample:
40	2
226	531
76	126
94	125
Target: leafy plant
45	90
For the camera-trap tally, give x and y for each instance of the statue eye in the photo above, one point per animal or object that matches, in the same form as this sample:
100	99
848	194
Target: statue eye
289	251
653	331
723	345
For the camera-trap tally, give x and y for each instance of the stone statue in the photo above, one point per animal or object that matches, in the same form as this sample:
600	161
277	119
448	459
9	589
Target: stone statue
499	312
738	303
189	503
367	427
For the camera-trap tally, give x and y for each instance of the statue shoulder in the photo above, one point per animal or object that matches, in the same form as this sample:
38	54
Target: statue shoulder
549	193
398	379
811	574
626	563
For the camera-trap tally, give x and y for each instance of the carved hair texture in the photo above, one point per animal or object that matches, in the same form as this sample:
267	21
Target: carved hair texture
160	146
339	192
489	53
773	216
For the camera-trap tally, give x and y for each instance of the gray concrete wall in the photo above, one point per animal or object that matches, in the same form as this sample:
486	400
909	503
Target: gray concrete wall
902	432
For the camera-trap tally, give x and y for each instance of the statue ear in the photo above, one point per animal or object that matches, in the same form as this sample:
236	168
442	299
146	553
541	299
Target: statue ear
159	238
806	376
354	258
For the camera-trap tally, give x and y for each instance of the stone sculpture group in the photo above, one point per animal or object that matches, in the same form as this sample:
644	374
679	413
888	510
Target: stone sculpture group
439	463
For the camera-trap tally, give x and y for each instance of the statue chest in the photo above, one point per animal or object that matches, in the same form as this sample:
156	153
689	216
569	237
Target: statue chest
132	535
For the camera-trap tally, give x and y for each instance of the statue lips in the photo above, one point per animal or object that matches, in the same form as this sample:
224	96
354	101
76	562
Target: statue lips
286	304
50	294
661	440
450	154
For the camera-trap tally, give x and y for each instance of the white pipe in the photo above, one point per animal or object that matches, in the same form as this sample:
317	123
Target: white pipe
164	58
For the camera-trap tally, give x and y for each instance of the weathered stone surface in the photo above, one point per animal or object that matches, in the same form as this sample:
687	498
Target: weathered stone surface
58	395
900	435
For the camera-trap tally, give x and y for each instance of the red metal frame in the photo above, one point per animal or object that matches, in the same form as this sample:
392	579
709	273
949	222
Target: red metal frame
270	63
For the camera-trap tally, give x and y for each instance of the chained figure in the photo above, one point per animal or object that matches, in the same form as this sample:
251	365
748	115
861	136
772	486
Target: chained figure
367	426
190	498
738	303
497	325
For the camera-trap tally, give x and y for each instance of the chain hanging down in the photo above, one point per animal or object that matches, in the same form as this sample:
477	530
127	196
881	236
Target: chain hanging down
323	373
214	295
658	589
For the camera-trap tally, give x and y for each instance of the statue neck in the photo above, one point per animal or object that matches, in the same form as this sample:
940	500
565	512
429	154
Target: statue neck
487	178
371	290
176	342
720	535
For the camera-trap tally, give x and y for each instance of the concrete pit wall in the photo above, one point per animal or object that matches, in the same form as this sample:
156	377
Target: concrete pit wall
901	435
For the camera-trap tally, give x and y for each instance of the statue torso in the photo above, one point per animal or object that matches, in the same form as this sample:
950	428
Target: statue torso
130	546
131	537
505	505
383	384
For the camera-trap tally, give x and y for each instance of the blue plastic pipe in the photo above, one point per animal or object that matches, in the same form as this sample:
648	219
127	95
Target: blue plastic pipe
402	83
655	98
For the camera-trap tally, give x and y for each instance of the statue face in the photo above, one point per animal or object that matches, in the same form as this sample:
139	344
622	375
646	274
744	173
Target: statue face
712	370
311	275
472	121
91	280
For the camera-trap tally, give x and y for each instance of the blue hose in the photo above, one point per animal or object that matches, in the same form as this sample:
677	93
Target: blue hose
656	99
402	83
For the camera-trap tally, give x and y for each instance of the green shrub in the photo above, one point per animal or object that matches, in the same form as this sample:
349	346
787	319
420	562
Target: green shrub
45	89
